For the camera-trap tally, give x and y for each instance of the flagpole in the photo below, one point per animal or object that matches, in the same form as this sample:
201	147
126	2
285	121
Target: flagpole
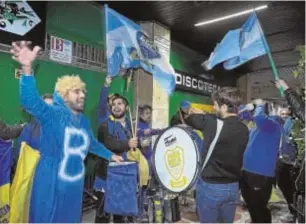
266	46
137	102
106	28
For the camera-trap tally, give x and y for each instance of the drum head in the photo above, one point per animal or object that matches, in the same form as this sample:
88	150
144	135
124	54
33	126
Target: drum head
175	159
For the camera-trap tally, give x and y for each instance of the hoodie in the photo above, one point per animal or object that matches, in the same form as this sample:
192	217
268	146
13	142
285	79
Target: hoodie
103	108
116	137
264	140
65	141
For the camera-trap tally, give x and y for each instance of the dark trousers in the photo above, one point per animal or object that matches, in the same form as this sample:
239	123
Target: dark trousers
103	217
256	191
285	182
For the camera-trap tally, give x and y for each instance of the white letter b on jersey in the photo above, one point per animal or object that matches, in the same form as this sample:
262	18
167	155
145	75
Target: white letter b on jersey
76	151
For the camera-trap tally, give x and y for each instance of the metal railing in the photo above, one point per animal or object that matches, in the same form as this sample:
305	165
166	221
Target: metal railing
83	56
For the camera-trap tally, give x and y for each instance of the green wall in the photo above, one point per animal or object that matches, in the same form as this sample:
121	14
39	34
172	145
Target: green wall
183	58
78	21
46	76
82	22
67	20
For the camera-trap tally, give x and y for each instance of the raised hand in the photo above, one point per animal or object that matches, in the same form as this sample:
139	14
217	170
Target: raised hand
108	81
196	111
250	106
259	102
281	84
22	53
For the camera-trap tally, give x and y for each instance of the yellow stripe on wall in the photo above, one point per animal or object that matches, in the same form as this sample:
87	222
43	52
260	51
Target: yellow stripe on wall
205	107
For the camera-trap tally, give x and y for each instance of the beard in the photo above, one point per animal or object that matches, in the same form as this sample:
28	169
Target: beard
75	106
218	114
118	116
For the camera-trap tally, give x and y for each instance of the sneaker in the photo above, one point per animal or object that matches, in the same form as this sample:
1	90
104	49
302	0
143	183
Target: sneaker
288	218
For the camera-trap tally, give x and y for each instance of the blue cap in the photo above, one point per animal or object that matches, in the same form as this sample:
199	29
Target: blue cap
185	104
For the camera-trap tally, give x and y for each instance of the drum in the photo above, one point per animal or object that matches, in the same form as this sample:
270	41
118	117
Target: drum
176	160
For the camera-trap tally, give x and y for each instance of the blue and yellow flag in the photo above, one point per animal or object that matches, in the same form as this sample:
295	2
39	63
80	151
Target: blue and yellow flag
20	194
6	161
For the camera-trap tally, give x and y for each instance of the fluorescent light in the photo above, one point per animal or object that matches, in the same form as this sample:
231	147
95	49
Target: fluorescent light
231	16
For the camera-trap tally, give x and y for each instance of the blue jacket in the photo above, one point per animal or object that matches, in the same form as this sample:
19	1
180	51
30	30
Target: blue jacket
112	134
65	141
103	108
262	150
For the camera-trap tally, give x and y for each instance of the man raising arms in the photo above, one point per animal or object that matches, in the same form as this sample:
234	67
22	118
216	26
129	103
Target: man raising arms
66	137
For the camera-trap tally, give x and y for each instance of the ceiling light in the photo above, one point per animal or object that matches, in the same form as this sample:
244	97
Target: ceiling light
231	16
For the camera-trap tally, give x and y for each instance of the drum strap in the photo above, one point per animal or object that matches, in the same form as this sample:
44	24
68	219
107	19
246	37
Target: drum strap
213	143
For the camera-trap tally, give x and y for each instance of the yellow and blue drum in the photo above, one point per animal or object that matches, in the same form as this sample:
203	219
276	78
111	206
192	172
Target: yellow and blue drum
176	159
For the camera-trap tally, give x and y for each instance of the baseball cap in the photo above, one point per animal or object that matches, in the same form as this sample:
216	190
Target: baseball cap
185	104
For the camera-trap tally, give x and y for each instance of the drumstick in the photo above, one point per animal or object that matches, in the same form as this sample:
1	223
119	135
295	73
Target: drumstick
131	120
181	117
90	195
137	104
136	123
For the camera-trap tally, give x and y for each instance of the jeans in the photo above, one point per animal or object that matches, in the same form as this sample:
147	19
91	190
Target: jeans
216	202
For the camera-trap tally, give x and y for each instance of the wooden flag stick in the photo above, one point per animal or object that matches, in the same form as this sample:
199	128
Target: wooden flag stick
131	121
267	49
181	116
137	102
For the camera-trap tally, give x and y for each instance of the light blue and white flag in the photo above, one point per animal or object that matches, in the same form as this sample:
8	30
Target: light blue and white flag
227	49
251	44
128	46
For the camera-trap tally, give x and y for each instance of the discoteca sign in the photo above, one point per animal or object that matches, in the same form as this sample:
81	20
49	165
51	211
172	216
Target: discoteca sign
194	84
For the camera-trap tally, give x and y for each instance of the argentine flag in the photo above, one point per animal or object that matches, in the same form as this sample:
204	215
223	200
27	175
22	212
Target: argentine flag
127	46
239	46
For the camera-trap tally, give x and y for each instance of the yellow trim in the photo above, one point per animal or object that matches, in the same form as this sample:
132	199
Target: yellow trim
205	107
199	133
